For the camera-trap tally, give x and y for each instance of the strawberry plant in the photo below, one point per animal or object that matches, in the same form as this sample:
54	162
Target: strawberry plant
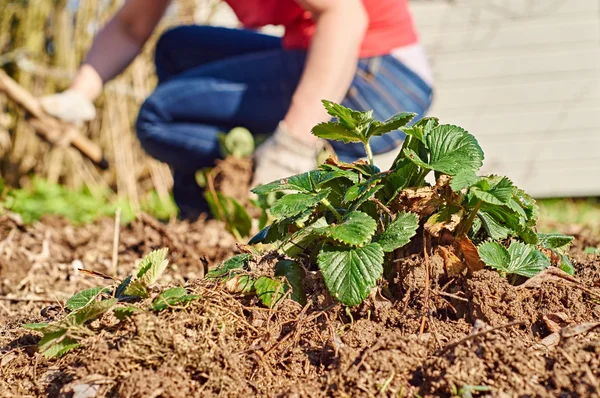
352	220
88	305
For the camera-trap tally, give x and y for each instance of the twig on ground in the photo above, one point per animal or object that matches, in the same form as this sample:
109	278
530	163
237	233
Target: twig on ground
454	296
115	251
481	333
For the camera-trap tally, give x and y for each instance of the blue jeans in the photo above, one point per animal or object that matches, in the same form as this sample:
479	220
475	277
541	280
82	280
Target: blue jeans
211	79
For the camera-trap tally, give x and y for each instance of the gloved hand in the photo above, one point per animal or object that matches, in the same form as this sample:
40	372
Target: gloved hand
69	106
283	155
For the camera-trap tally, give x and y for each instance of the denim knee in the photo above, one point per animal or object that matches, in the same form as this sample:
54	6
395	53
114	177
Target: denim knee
163	53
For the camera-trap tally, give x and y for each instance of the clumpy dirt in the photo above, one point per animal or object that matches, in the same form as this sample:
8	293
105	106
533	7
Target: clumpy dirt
536	339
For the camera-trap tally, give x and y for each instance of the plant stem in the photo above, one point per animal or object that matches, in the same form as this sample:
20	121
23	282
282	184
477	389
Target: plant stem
337	215
466	226
369	152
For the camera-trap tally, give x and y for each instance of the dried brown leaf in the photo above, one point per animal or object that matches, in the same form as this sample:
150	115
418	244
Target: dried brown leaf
470	254
453	265
574	330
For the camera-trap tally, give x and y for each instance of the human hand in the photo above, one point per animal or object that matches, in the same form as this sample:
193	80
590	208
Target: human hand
69	106
283	155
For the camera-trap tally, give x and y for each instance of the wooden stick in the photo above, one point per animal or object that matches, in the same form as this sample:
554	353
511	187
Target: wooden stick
48	127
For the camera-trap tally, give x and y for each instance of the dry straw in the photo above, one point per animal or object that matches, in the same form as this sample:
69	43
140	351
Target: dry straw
41	44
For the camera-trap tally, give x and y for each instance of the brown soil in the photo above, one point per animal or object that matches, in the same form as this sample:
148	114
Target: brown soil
224	345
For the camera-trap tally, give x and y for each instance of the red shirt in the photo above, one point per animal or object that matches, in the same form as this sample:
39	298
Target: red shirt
390	23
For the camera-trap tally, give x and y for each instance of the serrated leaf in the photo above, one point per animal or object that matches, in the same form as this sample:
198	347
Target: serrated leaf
93	311
294	274
152	266
493	190
235	262
354	121
122	313
61	348
137	288
367	196
397	121
336	131
308	182
357	228
399	232
554	241
528	205
463	179
452	150
270	290
172	297
84	297
350	273
520	259
295	203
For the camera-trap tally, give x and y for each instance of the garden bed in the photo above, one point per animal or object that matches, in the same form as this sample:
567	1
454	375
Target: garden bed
480	333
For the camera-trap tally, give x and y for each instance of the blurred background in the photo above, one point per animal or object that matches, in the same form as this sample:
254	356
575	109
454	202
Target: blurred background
522	75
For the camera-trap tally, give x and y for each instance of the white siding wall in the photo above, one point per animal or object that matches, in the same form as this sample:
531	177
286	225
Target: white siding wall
524	77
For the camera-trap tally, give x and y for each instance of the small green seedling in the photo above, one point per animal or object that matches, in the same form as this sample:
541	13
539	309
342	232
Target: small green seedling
88	305
353	220
238	143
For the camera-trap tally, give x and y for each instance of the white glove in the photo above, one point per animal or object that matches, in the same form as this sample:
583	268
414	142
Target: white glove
283	155
69	106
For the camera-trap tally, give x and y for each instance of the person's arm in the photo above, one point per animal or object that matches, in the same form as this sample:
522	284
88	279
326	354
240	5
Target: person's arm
117	44
331	63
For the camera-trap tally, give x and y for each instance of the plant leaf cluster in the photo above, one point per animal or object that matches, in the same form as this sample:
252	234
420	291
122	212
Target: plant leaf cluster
90	304
350	219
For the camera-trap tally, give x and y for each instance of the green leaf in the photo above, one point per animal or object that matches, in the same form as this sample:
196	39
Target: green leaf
528	205
235	262
120	291
452	150
93	311
302	239
294	274
84	297
394	123
350	273
230	211
270	290
464	179
366	196
122	313
239	143
295	203
354	121
520	259
357	228
137	288
56	344
494	229
152	266
399	232
308	182
493	190
36	326
565	264
399	179
336	131
554	241
172	297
